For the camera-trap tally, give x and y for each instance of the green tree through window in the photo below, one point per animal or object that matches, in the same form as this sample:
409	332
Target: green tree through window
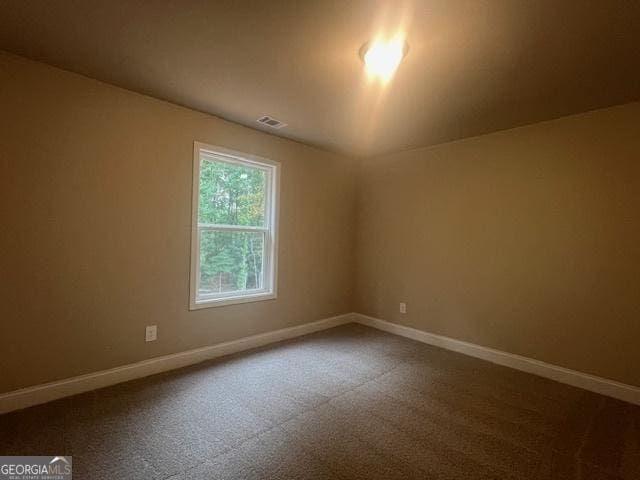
233	225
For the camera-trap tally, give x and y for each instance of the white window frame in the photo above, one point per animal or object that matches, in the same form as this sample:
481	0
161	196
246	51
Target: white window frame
270	229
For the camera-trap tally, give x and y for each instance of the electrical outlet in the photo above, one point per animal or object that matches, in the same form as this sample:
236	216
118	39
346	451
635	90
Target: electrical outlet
403	307
151	333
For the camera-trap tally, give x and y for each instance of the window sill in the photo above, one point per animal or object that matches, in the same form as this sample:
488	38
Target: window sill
226	301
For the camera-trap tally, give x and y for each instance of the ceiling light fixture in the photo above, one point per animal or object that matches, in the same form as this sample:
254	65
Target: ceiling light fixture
382	57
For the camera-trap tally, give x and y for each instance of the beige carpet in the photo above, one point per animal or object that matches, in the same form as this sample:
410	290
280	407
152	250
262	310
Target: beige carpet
350	402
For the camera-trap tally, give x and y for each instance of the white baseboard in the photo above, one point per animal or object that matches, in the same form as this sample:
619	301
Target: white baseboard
47	392
604	386
38	394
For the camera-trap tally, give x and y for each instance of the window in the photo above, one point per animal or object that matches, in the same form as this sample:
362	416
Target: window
233	236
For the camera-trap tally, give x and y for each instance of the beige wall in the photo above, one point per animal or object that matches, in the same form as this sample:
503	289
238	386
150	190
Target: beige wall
95	190
526	240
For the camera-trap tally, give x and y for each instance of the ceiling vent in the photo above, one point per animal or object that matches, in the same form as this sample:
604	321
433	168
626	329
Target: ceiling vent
271	122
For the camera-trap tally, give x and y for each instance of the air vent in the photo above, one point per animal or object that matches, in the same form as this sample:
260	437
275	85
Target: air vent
271	122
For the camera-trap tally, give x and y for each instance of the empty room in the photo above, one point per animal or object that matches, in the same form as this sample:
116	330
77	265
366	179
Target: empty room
320	239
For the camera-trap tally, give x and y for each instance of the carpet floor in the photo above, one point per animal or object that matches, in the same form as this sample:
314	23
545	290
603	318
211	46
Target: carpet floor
345	403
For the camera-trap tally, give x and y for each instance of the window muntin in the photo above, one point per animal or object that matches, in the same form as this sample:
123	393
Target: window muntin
234	234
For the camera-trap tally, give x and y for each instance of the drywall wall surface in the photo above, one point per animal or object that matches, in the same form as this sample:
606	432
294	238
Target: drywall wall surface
526	240
95	188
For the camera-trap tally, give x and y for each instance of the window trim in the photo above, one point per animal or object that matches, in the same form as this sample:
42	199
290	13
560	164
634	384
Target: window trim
270	268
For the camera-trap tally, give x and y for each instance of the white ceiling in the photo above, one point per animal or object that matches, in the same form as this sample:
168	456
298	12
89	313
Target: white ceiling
474	66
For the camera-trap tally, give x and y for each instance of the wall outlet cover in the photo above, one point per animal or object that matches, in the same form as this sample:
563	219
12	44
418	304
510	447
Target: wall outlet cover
151	333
